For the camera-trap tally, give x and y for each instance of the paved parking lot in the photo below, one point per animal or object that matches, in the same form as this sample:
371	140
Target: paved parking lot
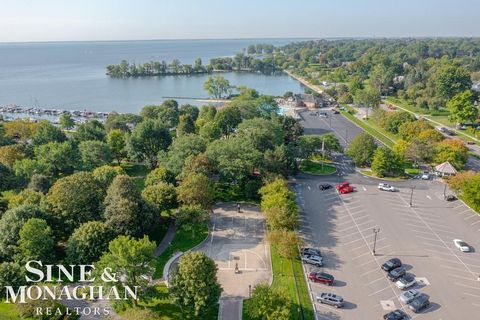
421	236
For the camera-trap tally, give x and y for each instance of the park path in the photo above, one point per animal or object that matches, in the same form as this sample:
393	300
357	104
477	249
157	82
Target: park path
167	239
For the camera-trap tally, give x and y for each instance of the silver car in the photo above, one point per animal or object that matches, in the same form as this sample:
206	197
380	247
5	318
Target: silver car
409	295
312	259
331	299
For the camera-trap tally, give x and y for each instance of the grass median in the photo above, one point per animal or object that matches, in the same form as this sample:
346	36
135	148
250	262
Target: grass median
288	276
369	129
314	167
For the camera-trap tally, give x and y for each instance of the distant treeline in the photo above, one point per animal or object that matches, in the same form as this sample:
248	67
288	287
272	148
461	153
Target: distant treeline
240	62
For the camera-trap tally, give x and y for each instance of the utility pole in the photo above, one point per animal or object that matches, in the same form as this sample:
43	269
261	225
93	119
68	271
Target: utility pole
412	187
375	231
444	191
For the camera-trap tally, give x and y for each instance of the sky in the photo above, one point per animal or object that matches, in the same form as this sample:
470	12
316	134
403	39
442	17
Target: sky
81	20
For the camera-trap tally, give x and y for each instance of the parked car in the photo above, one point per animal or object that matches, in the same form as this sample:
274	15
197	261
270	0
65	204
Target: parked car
470	142
331	299
321	277
342	185
409	295
312	259
425	176
406	281
335	111
346	190
450	197
395	315
386	187
461	245
391	264
323	115
419	303
325	186
313	251
396	273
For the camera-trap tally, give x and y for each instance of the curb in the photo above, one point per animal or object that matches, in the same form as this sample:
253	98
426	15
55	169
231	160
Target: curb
383	179
166	268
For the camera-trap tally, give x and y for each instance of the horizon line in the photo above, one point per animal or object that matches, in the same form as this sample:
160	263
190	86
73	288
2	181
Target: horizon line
245	38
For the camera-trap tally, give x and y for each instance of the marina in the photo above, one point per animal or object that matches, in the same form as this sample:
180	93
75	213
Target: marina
10	112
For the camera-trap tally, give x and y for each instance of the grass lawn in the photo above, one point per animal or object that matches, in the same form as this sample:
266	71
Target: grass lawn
9	312
370	130
441	119
183	241
286	273
316	167
138	172
406	105
159	303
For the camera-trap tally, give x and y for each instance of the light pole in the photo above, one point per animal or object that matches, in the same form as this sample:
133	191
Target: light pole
375	231
412	187
444	191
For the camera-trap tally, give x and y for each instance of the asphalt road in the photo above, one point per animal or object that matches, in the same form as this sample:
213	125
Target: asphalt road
421	236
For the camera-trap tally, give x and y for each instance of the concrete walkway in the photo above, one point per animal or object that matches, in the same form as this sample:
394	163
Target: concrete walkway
167	239
230	308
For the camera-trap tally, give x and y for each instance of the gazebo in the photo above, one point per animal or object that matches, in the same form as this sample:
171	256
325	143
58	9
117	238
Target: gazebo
445	169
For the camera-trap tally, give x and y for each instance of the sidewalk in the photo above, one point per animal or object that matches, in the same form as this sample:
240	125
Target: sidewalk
230	308
167	239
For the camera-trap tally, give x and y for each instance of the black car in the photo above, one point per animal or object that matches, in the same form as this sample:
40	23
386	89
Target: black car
395	315
450	197
391	264
396	273
325	186
419	303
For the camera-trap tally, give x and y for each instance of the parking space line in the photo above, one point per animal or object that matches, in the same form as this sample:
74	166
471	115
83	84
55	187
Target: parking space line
363	245
475	222
420	226
368	272
365	263
473	215
464	211
435	245
453	268
367	284
327	307
459	206
460	277
425	238
362	255
350	242
376	292
471	294
466	286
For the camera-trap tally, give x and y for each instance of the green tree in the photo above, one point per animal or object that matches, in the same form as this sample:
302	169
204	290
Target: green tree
66	121
191	217
394	120
450	79
279	205
10	224
131	260
47	132
181	149
453	151
195	189
90	130
268	303
88	243
36	241
162	196
186	125
11	154
74	200
26	196
409	131
194	284
11	274
227	119
158	175
125	211
104	175
7	178
94	153
57	158
39	183
263	134
116	142
217	86
462	109
147	139
286	242
386	163
362	149
470	191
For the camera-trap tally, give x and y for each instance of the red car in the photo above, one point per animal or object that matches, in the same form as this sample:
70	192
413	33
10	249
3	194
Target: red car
342	185
346	189
321	277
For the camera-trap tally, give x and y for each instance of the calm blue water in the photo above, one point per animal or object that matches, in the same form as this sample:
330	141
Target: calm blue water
71	75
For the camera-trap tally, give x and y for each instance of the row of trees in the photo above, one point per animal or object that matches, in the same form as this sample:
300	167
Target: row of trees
467	185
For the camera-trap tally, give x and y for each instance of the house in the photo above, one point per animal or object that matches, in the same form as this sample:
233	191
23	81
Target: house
445	169
302	100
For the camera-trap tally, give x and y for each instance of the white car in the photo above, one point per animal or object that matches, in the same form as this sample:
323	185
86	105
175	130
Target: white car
406	281
312	259
409	295
461	245
425	176
386	187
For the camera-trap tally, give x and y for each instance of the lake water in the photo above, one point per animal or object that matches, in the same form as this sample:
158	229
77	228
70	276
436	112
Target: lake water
71	75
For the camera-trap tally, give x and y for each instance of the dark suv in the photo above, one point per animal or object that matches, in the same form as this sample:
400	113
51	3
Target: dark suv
392	264
396	273
419	303
395	315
